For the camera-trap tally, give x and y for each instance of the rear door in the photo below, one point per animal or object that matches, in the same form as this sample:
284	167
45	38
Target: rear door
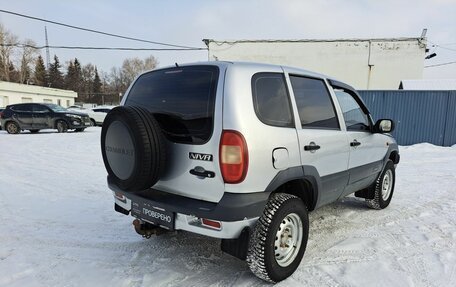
323	144
23	114
187	103
41	117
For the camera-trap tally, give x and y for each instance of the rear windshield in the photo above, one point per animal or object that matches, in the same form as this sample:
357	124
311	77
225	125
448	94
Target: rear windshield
182	100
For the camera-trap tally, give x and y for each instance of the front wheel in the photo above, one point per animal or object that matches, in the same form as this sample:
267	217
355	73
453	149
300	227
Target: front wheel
383	188
279	239
62	126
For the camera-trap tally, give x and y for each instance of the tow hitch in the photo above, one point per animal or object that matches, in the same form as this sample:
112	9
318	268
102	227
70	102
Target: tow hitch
146	229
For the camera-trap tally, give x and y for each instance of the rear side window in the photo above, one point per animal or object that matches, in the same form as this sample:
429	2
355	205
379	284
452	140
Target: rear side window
22	108
315	106
182	100
271	100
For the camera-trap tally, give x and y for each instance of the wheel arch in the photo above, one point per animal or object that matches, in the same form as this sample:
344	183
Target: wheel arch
60	119
294	181
11	121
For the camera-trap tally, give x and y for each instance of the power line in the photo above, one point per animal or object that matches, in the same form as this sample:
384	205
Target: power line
99	48
441	64
98	32
442	46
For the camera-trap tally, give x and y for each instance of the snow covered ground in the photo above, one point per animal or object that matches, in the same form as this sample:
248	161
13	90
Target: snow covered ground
58	227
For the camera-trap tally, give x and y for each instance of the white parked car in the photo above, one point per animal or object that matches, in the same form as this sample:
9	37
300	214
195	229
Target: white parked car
97	114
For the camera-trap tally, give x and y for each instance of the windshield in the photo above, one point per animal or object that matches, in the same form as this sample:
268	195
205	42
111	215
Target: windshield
55	108
182	100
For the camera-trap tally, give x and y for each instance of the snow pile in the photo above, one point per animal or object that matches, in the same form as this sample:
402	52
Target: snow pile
58	227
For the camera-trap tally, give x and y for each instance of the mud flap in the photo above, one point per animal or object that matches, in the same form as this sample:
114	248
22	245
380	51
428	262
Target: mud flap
367	193
120	209
237	247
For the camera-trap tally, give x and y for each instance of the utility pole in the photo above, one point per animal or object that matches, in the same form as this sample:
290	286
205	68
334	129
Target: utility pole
47	48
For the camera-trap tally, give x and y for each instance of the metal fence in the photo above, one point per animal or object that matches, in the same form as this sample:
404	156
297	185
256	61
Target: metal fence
420	116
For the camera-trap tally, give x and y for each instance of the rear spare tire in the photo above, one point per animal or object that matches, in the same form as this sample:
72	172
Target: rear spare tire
133	148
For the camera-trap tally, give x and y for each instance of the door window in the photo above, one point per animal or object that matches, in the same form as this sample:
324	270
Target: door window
40	109
271	101
354	117
22	108
315	106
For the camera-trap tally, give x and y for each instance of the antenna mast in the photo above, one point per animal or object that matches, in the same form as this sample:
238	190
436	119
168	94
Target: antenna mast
47	48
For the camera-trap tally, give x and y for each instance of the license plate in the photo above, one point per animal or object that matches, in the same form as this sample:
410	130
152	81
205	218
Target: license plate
152	214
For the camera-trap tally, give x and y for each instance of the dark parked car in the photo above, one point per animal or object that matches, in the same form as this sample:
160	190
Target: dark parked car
1	110
34	117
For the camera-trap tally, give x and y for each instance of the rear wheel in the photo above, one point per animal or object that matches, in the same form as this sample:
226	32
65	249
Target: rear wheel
94	124
279	239
61	126
12	128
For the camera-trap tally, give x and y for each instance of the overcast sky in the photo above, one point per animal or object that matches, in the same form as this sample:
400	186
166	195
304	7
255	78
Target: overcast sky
188	22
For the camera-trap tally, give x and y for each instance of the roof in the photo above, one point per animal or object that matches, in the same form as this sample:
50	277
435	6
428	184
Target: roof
35	90
428	84
401	39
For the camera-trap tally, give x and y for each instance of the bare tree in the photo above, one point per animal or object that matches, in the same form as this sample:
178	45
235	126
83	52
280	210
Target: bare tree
27	58
132	67
7	42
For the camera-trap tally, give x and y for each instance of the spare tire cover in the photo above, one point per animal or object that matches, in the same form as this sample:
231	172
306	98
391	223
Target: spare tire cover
133	148
120	151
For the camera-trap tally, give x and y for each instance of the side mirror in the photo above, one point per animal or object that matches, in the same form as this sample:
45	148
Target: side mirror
384	126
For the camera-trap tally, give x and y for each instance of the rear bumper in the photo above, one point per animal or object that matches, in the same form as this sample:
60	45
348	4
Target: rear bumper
234	211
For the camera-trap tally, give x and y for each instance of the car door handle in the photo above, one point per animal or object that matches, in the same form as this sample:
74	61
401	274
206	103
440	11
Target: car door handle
355	143
311	147
199	171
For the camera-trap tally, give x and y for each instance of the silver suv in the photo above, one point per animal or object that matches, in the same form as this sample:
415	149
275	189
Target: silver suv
242	152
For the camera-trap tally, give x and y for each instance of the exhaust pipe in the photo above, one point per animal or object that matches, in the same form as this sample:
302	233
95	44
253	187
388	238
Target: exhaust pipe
146	230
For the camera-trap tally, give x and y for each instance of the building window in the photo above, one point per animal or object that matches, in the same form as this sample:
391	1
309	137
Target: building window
59	102
27	100
4	101
67	103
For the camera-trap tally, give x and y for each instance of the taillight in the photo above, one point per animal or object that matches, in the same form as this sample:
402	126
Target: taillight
234	157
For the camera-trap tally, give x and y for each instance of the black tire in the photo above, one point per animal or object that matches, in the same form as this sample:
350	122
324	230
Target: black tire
93	122
34	131
382	197
61	126
12	128
79	130
261	257
133	148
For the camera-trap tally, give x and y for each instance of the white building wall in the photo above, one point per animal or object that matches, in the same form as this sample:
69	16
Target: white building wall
365	64
13	93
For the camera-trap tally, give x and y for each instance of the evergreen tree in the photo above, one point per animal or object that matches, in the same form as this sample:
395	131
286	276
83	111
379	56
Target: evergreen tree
96	83
40	72
14	75
78	80
55	75
70	77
